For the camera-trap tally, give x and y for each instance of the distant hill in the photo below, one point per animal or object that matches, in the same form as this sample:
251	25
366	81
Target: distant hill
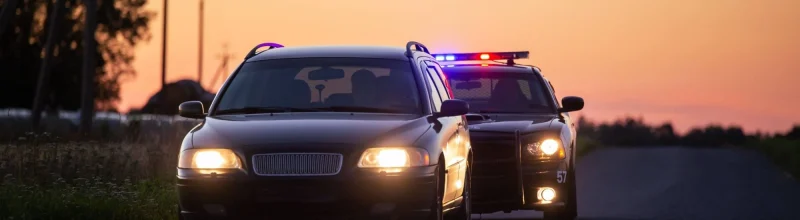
176	93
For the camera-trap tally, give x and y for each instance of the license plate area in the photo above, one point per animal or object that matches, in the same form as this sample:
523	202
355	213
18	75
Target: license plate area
296	193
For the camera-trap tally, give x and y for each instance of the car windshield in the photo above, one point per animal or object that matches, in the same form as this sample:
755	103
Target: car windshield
501	92
321	84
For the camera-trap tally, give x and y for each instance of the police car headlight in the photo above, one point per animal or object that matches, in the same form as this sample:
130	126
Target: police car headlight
209	159
394	157
547	149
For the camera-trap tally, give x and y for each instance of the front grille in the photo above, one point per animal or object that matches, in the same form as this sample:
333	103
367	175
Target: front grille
493	147
297	164
494	173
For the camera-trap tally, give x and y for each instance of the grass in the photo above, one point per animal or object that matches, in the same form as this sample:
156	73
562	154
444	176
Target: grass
43	177
87	199
783	152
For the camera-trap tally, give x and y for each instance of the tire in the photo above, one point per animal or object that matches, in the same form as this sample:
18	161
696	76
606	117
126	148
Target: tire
464	211
570	210
437	205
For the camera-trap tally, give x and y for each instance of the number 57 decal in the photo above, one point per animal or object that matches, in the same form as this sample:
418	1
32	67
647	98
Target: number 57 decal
561	176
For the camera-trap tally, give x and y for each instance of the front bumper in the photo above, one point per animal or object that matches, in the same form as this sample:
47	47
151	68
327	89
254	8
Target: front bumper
544	175
504	179
502	193
353	194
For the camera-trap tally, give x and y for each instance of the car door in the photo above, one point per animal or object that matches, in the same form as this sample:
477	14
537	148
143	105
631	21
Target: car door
455	141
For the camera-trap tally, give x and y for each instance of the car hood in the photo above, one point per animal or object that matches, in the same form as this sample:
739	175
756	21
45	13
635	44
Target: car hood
308	128
511	123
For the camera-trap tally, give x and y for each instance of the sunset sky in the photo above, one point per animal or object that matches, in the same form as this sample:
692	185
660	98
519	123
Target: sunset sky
692	62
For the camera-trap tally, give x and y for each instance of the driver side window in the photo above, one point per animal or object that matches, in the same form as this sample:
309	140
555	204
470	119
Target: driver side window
434	93
553	91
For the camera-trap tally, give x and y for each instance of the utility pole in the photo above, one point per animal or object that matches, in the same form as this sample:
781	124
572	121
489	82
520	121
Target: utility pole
164	51
89	66
200	46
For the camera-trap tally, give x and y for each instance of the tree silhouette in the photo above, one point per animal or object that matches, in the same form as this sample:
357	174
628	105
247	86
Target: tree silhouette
794	134
121	24
665	134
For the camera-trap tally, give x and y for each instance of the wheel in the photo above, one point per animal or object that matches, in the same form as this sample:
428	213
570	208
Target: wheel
464	211
570	210
437	205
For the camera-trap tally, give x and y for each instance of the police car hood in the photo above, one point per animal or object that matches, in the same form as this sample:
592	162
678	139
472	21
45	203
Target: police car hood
511	122
308	128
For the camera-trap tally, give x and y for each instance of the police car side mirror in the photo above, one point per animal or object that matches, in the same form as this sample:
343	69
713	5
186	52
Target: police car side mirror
571	103
191	109
453	107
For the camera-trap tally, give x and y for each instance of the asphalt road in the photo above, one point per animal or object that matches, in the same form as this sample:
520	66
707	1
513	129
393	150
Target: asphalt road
679	183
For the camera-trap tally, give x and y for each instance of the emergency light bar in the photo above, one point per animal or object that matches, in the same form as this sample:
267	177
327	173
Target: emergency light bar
482	56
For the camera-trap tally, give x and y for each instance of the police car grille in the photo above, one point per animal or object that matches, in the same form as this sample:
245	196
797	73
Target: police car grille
297	164
494	174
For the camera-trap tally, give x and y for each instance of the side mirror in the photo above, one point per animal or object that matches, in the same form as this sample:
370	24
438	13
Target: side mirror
192	109
453	107
571	103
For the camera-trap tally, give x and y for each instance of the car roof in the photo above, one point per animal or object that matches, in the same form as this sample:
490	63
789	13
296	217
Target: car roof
470	68
384	52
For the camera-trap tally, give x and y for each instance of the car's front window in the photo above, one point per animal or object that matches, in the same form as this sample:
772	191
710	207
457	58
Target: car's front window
501	92
321	84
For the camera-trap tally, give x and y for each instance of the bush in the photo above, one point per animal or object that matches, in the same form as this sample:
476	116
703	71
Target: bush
586	145
45	177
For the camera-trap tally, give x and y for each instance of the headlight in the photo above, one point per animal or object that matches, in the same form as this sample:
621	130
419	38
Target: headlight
394	157
209	159
547	148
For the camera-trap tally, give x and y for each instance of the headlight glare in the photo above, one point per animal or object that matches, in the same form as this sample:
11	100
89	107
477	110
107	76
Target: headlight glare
393	157
209	159
549	146
546	149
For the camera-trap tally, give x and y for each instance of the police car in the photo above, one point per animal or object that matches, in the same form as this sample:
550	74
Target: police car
522	137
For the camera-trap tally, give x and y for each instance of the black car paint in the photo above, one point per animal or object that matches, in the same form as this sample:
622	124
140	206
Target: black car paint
343	132
556	125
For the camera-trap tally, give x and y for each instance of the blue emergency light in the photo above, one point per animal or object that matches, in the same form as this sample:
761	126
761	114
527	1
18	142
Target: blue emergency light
482	56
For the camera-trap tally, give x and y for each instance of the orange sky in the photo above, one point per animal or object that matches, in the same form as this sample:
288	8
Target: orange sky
687	61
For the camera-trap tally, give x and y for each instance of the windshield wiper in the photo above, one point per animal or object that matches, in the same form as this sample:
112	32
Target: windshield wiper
257	110
338	108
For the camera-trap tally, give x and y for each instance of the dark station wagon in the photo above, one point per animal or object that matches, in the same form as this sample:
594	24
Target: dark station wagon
328	131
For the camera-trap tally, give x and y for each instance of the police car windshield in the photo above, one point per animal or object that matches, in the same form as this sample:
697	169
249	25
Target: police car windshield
321	84
501	92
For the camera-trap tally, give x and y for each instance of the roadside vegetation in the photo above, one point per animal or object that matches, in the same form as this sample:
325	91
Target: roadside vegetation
45	176
132	176
783	148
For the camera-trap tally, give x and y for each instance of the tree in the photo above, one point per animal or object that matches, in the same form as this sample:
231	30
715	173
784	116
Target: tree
53	33
7	13
665	134
794	134
735	136
121	25
88	69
